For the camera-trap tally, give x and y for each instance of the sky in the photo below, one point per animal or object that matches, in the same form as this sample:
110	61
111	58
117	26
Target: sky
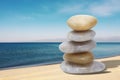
45	20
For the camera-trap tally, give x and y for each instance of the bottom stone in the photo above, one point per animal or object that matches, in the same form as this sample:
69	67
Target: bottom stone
73	68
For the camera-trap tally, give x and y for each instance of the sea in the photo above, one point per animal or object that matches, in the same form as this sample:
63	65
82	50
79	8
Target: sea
44	53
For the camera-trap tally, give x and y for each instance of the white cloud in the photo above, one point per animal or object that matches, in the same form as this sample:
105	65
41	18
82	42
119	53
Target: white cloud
26	17
104	8
101	10
23	17
70	9
108	7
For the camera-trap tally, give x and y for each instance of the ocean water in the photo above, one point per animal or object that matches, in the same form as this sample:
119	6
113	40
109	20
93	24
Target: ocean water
22	54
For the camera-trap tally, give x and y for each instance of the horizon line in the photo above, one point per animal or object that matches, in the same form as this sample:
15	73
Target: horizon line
58	42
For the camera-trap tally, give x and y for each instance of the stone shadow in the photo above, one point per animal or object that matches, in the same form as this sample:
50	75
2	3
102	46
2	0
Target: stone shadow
111	63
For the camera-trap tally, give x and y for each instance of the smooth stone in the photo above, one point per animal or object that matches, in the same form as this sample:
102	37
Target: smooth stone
76	47
80	36
81	22
72	68
79	58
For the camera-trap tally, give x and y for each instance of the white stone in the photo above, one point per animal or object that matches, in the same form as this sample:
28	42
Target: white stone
76	47
72	68
80	36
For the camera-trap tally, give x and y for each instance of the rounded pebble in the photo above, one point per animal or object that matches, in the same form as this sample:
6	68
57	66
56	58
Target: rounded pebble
76	47
79	58
72	68
81	22
80	36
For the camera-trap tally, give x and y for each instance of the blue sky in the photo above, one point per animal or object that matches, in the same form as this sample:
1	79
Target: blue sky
45	20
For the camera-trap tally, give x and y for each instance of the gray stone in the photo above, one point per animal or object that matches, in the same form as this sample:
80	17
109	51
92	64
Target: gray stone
73	68
76	47
80	36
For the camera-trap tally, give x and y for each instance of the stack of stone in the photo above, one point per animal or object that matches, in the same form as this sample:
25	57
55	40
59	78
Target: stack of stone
78	57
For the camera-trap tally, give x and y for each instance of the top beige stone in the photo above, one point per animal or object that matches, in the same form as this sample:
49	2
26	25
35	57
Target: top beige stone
81	22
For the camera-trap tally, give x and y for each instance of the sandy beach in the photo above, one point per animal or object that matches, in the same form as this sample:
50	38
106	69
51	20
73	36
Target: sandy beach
53	72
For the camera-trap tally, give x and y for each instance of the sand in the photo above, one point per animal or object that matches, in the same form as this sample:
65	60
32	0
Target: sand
53	72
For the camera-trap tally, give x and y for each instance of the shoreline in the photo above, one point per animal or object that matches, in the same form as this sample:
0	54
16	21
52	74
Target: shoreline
53	72
32	65
45	64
